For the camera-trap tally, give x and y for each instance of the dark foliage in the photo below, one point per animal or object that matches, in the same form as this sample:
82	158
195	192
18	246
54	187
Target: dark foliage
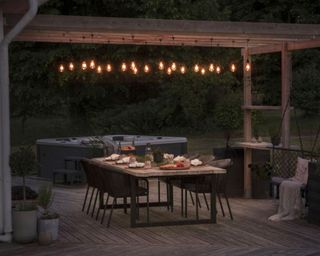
17	193
120	102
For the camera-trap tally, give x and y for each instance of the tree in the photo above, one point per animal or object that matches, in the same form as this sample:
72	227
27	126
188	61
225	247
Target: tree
228	115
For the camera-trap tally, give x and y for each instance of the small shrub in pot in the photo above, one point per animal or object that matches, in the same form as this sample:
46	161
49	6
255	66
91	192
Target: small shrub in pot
48	223
24	216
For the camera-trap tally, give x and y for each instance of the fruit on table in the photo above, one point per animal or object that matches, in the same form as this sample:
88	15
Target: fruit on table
179	164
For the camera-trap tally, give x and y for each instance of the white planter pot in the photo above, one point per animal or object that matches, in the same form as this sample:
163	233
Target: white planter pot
48	230
24	226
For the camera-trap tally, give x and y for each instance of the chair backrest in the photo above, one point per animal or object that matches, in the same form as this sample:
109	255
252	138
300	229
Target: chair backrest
115	182
222	179
86	166
284	161
91	170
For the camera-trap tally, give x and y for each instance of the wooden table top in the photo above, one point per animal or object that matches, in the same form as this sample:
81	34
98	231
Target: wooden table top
157	172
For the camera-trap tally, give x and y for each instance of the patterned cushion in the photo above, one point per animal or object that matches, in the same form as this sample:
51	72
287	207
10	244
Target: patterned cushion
301	171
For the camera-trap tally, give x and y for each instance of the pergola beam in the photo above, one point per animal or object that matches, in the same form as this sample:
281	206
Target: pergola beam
291	46
81	29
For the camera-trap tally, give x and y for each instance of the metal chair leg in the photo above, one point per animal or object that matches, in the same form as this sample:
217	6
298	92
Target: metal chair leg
231	216
206	201
197	201
100	204
138	210
148	209
125	205
104	210
185	203
182	202
271	190
159	197
191	197
111	211
85	199
95	203
221	206
92	193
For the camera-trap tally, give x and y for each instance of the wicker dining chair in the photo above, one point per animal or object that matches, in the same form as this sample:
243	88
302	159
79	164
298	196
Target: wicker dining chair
117	185
203	186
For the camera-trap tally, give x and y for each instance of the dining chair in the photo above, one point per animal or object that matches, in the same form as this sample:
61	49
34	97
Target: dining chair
203	186
92	182
117	185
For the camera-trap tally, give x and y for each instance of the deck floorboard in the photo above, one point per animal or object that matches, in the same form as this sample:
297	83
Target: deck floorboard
249	234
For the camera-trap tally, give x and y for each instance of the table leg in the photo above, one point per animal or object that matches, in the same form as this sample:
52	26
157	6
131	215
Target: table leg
171	197
213	209
133	206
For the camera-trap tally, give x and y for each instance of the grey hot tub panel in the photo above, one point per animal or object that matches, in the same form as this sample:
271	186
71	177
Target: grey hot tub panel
52	152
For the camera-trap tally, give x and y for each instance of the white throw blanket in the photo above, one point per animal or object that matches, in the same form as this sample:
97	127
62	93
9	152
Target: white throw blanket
291	205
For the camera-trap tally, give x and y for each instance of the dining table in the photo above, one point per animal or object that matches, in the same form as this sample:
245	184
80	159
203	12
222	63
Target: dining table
156	172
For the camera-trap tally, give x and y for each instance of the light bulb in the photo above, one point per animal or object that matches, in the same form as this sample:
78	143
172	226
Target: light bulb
84	65
161	65
133	65
99	69
196	68
233	67
92	64
203	71
61	68
71	66
123	67
109	68
173	66
218	69
248	66
183	69
146	68
211	67
135	70
169	71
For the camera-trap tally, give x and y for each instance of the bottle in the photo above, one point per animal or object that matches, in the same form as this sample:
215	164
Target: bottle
148	156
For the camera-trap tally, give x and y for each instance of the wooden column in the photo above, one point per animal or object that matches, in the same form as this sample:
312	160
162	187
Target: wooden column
5	173
286	81
247	127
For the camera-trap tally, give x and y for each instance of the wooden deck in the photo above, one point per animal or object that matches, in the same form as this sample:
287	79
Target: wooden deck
249	234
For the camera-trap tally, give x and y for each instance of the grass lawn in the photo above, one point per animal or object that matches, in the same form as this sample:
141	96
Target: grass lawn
37	128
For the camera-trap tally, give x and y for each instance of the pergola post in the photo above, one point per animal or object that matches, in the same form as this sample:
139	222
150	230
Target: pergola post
286	81
5	175
247	128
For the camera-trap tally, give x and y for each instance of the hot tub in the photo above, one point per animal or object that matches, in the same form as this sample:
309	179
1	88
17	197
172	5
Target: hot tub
52	152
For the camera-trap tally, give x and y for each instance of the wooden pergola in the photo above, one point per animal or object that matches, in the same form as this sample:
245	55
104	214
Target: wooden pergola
19	22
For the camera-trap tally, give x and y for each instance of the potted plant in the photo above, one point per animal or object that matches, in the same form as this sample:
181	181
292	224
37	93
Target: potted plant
274	134
24	216
48	223
261	174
